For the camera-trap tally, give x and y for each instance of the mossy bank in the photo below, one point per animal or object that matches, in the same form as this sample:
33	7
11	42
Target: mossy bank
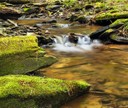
21	54
21	91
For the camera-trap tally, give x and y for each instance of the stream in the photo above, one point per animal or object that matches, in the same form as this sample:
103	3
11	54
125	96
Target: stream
105	68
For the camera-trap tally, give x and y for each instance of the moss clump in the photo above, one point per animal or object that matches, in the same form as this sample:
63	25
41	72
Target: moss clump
19	89
18	44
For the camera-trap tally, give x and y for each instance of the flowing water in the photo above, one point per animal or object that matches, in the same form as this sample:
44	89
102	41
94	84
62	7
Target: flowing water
84	43
105	67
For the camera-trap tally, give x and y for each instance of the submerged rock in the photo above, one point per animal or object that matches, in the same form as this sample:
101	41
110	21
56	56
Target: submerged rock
25	54
21	91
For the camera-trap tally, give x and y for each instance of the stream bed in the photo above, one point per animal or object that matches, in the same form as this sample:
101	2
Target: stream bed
105	68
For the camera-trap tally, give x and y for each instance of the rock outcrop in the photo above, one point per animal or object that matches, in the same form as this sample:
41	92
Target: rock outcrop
21	54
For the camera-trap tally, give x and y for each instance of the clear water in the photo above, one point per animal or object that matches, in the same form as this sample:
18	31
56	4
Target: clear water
106	68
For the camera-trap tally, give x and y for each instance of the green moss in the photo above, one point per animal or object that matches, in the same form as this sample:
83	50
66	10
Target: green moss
18	44
26	9
109	16
17	103
22	54
69	3
2	6
22	64
119	21
31	88
109	31
114	36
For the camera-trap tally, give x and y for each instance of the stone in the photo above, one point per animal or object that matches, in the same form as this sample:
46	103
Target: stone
9	13
21	54
107	18
22	91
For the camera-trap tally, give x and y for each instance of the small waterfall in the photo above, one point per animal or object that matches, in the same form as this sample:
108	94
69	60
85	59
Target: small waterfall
84	43
84	40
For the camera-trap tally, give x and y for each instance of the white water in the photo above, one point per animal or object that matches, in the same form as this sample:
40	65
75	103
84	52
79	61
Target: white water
62	43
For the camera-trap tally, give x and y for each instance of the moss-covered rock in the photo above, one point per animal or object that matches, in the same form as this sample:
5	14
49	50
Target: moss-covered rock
20	91
117	32
119	22
107	17
97	34
21	54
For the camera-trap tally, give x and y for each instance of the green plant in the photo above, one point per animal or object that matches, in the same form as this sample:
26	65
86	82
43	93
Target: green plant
69	3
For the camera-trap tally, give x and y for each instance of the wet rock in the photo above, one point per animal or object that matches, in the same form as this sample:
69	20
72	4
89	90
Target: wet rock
89	6
114	33
31	10
106	36
9	13
108	17
106	100
53	7
96	34
73	17
82	19
73	38
44	40
119	38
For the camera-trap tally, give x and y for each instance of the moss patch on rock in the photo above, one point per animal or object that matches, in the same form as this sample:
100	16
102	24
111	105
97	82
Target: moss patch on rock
21	54
18	44
20	91
108	17
119	21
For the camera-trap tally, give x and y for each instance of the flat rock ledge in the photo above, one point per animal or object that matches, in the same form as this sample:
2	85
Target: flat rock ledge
22	91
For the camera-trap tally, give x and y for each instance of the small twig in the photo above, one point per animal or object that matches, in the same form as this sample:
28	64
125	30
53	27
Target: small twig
12	22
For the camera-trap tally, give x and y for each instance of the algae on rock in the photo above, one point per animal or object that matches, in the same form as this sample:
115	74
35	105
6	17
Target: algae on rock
21	91
21	54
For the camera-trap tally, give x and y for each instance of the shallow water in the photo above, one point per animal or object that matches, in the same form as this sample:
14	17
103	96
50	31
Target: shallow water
105	68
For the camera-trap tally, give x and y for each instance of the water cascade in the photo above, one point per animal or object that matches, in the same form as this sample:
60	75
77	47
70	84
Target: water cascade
84	43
